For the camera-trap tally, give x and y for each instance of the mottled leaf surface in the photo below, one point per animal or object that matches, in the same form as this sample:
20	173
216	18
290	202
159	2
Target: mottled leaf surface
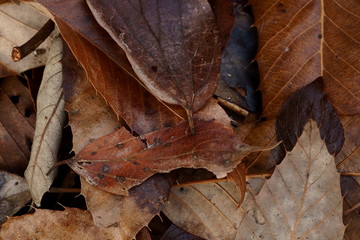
300	41
174	48
120	161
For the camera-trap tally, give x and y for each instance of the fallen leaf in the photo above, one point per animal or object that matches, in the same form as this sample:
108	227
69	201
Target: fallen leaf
50	120
120	161
89	116
301	41
302	199
72	223
17	120
131	213
176	52
175	233
238	176
16	29
144	234
14	194
130	101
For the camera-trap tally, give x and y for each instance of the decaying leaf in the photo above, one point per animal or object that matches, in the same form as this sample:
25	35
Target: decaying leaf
174	48
302	199
14	194
131	213
301	41
89	115
16	29
72	223
50	120
17	121
120	161
130	101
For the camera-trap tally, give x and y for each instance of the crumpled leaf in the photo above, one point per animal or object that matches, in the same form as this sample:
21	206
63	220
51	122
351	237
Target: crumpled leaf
72	223
174	48
302	199
301	41
14	194
131	213
120	161
89	115
17	121
50	120
16	29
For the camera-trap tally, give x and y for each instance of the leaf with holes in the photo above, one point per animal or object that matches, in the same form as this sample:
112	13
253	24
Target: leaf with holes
174	49
50	119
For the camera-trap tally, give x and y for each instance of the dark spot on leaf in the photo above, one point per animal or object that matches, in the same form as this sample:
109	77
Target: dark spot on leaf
263	119
157	141
120	179
46	117
319	36
167	144
234	124
93	153
146	169
28	112
181	189
154	68
28	142
119	145
14	99
100	176
135	163
16	183
105	168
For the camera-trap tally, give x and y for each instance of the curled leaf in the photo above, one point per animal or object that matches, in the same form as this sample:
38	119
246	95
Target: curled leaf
50	120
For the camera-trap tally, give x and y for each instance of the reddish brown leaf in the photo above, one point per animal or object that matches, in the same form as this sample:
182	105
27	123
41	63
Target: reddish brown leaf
141	111
120	161
302	40
174	48
238	176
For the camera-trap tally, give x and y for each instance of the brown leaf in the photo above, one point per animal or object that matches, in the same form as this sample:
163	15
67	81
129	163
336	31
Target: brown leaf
120	161
174	49
72	223
302	199
14	194
16	29
131	213
50	119
238	176
301	41
89	116
130	101
17	121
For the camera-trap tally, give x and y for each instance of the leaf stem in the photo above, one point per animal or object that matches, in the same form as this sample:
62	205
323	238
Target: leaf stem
19	53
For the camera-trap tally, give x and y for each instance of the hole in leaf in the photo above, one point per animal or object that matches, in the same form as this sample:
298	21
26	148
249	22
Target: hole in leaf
14	99
28	112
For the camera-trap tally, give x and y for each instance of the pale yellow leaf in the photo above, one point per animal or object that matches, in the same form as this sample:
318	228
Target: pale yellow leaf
49	125
302	200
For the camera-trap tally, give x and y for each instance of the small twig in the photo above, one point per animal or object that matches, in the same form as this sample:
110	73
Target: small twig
233	107
19	53
350	174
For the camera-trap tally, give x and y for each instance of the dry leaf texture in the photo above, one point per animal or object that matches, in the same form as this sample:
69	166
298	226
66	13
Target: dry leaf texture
16	29
300	41
49	125
71	224
302	200
120	161
174	48
14	194
131	213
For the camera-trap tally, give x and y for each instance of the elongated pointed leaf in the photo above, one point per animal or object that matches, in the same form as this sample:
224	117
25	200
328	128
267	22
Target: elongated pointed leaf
50	120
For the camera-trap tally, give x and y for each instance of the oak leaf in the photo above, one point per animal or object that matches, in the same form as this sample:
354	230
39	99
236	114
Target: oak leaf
50	119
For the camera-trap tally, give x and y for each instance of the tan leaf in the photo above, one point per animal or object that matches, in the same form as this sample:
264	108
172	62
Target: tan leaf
302	199
174	50
72	223
49	125
129	214
89	116
18	23
300	41
14	194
